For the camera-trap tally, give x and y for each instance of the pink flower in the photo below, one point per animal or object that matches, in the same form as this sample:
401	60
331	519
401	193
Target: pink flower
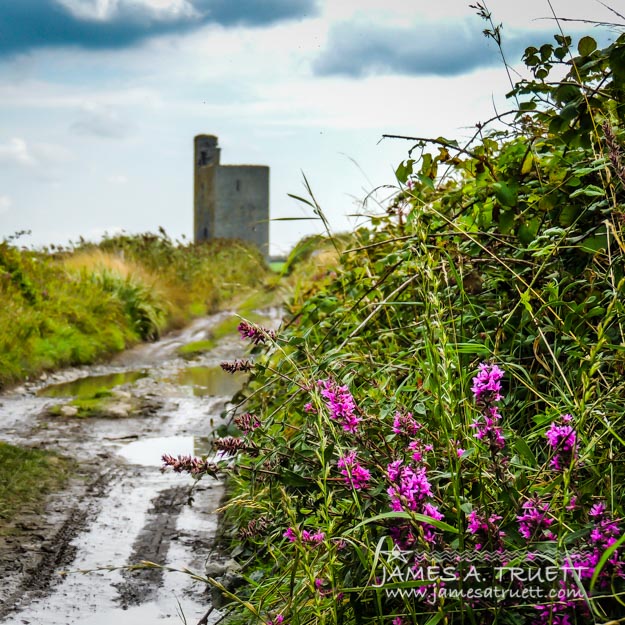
310	537
534	522
486	529
405	425
563	439
487	384
418	449
354	474
486	389
255	333
410	486
341	404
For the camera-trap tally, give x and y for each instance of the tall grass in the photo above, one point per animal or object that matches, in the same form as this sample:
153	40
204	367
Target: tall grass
75	306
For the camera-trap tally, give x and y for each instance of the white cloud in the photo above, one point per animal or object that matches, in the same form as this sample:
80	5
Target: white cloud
16	152
104	10
38	94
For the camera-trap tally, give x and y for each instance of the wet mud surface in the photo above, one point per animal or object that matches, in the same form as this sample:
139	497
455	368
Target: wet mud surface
119	509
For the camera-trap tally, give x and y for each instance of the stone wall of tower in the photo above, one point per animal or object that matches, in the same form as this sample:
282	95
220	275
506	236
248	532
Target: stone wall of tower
230	201
206	163
242	204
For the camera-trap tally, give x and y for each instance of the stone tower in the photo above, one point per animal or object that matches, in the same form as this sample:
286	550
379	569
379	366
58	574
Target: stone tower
230	201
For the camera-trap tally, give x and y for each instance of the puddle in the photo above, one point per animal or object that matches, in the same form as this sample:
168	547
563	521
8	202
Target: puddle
210	381
149	451
139	614
88	386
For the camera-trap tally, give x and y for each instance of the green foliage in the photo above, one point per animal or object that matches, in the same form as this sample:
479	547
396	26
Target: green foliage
509	248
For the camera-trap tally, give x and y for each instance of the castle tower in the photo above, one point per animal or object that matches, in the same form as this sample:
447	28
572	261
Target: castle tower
230	201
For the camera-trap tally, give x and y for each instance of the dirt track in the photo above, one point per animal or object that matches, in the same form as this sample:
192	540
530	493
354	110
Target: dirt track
120	509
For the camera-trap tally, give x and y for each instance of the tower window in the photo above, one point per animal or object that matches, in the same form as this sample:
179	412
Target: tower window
238	185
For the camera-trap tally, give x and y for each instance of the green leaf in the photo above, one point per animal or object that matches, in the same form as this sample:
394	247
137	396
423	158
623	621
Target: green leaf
527	231
530	105
590	191
595	243
506	221
560	53
437	618
426	181
587	45
290	478
414	516
404	170
568	214
528	163
301	199
607	554
505	194
525	452
545	51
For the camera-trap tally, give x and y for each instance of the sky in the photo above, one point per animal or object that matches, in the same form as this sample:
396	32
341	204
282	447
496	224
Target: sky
100	101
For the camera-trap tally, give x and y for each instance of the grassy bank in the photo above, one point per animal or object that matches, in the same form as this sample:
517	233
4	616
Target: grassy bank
439	426
71	307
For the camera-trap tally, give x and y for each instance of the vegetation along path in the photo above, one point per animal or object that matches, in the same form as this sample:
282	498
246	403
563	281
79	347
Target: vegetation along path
116	421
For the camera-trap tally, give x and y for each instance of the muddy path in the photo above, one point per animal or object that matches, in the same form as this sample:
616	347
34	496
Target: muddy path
120	509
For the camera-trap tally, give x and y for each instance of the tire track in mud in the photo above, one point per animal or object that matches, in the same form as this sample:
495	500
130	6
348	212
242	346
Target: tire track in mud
152	545
36	570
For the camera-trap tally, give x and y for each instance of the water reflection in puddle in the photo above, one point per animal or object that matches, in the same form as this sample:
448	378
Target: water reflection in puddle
90	385
139	614
149	451
210	381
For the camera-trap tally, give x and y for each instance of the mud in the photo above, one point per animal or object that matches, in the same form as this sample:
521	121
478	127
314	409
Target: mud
120	509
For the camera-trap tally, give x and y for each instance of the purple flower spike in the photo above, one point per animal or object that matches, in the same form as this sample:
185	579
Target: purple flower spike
562	438
487	384
341	404
535	520
354	474
410	487
255	333
487	391
405	425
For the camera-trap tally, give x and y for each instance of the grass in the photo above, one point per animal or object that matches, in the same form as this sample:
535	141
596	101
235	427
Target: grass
196	348
26	476
92	404
254	301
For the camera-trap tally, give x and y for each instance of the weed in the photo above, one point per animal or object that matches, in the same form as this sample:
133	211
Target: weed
25	476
